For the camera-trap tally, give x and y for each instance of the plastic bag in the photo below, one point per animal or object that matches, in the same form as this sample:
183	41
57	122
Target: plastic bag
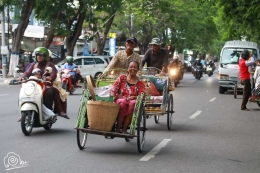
151	89
47	113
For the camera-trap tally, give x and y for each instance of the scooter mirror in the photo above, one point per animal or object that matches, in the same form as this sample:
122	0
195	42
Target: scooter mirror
17	70
48	69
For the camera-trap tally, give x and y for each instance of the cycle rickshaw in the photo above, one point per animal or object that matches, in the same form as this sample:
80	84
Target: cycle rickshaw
84	125
158	105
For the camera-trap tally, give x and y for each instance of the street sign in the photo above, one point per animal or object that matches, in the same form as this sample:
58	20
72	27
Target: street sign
4	50
112	46
112	35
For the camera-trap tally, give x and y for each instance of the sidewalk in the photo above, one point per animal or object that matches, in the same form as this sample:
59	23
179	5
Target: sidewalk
5	80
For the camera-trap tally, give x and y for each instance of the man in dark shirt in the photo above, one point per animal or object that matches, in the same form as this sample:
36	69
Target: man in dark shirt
156	56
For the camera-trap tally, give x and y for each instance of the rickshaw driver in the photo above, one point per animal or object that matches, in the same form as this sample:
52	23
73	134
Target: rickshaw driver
156	56
123	57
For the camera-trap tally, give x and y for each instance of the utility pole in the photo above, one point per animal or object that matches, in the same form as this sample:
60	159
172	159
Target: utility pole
4	50
132	24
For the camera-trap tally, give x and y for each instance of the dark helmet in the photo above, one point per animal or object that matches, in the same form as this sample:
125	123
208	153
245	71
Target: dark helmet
42	51
69	59
37	71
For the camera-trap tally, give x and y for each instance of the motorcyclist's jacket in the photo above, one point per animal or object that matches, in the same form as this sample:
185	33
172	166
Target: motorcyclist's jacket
70	67
42	66
198	64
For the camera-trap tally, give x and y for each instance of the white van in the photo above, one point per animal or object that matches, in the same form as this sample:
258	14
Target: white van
228	64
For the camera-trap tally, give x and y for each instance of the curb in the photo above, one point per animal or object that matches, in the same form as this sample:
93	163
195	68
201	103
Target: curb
6	81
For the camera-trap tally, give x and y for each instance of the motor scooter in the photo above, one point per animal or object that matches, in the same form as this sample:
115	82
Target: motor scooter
209	70
33	112
174	75
66	81
198	72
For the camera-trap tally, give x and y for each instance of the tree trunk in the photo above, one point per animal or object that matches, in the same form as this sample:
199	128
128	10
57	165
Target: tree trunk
50	33
102	41
73	37
48	40
18	33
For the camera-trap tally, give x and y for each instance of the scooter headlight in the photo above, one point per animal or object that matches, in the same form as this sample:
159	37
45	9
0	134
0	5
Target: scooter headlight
29	88
172	72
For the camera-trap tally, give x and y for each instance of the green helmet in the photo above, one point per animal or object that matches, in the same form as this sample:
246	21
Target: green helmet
42	51
69	59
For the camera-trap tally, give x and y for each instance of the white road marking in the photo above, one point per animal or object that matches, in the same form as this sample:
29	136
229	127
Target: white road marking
4	95
195	114
155	150
214	98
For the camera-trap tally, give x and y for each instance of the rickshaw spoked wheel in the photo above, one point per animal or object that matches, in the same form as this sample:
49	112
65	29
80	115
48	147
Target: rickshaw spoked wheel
141	128
170	112
156	119
81	138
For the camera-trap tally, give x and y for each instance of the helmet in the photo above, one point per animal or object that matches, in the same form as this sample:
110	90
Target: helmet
37	71
197	59
69	59
176	58
42	51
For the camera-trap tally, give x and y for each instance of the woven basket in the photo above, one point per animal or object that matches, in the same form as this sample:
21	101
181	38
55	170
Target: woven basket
102	115
91	85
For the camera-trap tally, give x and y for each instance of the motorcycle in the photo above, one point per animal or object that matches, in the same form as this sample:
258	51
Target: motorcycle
198	72
209	70
33	112
174	76
66	81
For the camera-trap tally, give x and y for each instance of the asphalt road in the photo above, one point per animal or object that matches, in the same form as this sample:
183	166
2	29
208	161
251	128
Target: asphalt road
210	134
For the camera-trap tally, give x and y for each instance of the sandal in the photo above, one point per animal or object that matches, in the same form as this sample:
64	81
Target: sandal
19	119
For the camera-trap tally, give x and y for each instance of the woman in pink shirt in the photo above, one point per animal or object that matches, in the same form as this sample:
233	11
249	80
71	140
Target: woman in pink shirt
125	90
245	78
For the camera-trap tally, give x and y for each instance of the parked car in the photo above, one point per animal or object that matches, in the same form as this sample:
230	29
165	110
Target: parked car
88	65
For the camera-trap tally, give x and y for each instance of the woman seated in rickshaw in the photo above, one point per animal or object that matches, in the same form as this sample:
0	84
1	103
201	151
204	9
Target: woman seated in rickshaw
125	91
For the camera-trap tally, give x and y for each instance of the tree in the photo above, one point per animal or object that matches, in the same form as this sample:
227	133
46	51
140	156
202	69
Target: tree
239	17
26	8
101	17
64	18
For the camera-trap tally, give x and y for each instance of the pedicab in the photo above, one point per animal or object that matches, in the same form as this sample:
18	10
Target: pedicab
97	114
157	106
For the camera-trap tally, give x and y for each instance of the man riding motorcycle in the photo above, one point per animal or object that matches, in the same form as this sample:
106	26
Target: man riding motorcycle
197	63
76	77
176	63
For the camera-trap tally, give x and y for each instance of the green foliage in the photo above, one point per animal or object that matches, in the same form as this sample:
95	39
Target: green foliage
239	17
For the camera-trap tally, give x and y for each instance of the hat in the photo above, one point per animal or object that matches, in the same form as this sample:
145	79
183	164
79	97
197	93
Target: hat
132	39
156	41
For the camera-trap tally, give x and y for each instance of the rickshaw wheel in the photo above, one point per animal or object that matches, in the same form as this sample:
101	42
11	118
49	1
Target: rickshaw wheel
170	112
127	139
235	91
81	138
141	128
258	103
156	119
